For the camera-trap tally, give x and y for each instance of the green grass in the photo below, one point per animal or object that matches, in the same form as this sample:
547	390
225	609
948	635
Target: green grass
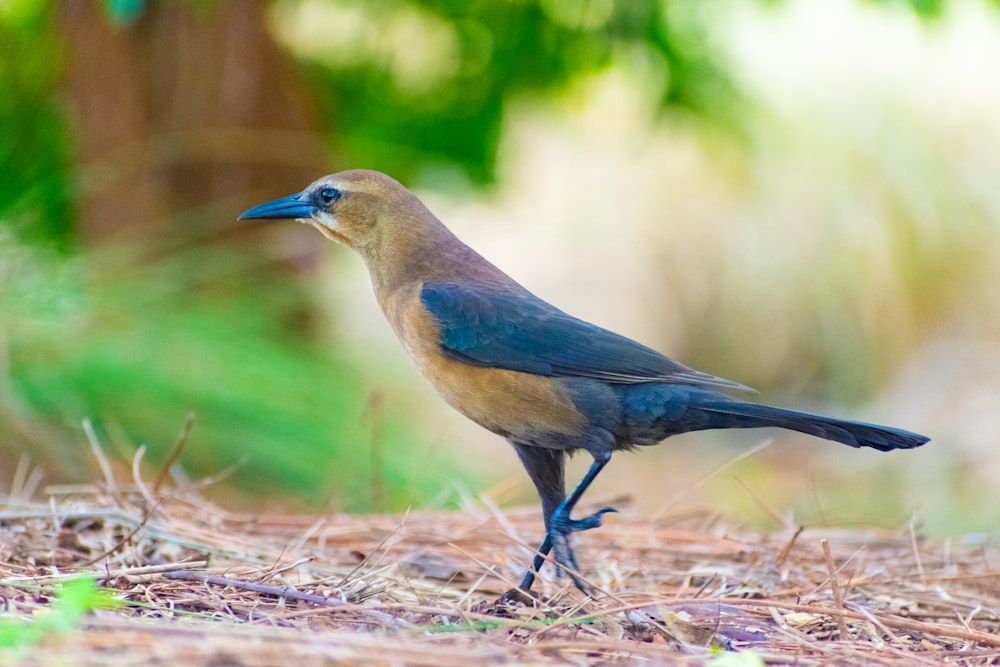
135	345
73	601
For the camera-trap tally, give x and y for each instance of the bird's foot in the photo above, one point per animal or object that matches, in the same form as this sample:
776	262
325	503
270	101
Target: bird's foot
518	596
557	542
562	526
561	523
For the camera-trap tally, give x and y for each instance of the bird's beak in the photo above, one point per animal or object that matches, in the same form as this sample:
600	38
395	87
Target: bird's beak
286	208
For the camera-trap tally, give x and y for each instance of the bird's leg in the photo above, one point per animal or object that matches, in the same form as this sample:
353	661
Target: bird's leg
536	564
562	525
546	469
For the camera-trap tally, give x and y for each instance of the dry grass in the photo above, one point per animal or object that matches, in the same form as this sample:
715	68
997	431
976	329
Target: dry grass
204	586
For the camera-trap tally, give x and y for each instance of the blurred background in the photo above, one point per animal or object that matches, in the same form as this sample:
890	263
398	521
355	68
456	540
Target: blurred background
798	195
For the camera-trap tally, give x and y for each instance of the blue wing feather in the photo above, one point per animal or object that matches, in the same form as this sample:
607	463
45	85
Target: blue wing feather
515	330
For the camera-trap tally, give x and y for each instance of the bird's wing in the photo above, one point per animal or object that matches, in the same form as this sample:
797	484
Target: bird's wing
515	330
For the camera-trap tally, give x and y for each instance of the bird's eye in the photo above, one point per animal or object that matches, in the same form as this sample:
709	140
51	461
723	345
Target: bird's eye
327	196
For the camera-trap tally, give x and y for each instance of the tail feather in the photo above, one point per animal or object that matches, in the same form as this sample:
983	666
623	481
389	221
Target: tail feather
734	414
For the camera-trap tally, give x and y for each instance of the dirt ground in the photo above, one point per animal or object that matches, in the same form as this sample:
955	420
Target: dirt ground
199	585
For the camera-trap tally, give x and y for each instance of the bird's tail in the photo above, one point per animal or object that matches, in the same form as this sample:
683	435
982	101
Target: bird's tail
735	414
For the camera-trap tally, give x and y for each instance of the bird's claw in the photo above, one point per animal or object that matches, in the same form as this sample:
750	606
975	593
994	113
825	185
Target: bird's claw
516	596
592	521
562	551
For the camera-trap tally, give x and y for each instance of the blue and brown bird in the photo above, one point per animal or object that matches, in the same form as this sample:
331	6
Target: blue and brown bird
548	382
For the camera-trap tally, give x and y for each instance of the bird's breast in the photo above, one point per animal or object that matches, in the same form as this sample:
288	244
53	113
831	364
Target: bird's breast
506	402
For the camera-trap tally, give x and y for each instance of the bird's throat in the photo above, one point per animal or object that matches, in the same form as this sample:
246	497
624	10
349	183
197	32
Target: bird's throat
327	232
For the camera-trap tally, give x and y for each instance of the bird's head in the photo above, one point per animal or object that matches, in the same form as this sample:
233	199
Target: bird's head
399	239
358	208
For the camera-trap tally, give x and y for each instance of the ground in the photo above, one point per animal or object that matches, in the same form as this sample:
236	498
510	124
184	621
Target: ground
186	582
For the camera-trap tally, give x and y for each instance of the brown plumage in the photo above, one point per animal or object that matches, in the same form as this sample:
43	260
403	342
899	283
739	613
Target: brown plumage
521	368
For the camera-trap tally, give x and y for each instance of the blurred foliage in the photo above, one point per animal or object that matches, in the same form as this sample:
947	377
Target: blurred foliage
134	345
418	87
923	8
35	196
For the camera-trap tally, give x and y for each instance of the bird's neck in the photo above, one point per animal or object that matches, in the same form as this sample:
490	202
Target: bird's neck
431	254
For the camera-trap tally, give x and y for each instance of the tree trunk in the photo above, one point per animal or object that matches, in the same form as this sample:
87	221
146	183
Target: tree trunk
183	118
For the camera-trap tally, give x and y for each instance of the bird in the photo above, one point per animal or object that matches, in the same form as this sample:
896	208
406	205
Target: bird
549	383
